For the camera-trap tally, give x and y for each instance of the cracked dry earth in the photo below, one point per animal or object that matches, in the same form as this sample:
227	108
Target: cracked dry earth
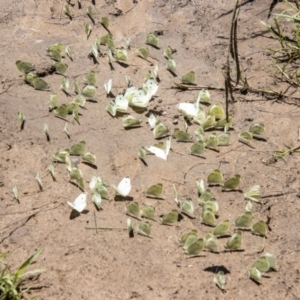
81	263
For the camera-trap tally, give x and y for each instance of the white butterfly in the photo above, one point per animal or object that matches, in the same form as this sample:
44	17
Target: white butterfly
163	154
153	120
121	103
107	86
189	109
150	87
124	187
79	203
141	98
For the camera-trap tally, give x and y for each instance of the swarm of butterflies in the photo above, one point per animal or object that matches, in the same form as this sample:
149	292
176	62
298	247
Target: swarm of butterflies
139	98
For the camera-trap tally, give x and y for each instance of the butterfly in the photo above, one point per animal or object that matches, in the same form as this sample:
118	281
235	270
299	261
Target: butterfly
123	187
163	154
107	86
79	203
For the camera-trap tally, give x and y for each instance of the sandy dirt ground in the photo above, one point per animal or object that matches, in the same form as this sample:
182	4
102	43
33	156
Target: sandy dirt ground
83	263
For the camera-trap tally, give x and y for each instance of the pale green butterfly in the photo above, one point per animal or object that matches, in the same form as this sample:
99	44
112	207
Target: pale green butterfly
255	274
105	22
187	206
89	11
197	148
75	173
200	118
65	85
271	260
217	110
182	136
204	96
260	228
60	67
186	235
196	247
262	264
223	123
215	177
253	194
78	149
258	128
132	209
142	153
168	53
148	212
55	47
79	100
160	130
24	67
89	158
171	217
155	190
40	84
232	183
131	122
211	243
90	78
87	29
121	54
53	102
209	122
212	141
211	205
144	229
97	200
205	196
21	118
29	78
223	139
189	78
152	40
208	217
60	156
69	52
235	241
189	241
89	91
220	280
222	228
171	65
244	220
245	137
143	53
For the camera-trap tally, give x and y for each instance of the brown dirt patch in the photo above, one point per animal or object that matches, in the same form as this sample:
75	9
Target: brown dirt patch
82	264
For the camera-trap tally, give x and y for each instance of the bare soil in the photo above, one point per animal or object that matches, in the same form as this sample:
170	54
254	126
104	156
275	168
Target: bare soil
81	263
